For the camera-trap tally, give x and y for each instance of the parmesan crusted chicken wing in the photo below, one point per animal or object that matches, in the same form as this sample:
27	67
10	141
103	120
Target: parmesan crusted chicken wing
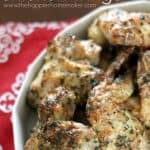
59	105
69	63
143	79
110	93
69	74
83	107
120	27
63	135
118	90
84	51
116	128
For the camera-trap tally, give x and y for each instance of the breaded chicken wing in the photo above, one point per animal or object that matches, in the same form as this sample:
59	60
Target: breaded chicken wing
118	90
120	27
143	79
116	128
63	135
83	51
70	86
69	64
59	105
107	95
69	74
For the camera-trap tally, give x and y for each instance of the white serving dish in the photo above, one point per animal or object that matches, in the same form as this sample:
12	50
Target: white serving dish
23	119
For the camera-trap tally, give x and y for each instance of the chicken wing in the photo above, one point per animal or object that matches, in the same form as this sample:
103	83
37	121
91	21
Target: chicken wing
116	127
143	79
69	74
63	135
107	95
59	105
120	27
84	51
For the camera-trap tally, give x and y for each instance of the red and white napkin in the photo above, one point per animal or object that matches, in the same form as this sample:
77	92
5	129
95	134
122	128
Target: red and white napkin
20	43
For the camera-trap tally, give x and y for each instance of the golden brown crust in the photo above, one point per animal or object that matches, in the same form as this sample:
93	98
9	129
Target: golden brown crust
115	126
107	95
123	28
83	51
143	79
70	80
67	59
59	105
63	135
62	71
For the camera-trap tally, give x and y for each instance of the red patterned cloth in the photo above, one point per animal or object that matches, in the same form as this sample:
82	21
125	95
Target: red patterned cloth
20	43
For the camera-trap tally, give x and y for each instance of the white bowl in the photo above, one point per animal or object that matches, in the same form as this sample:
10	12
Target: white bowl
23	119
